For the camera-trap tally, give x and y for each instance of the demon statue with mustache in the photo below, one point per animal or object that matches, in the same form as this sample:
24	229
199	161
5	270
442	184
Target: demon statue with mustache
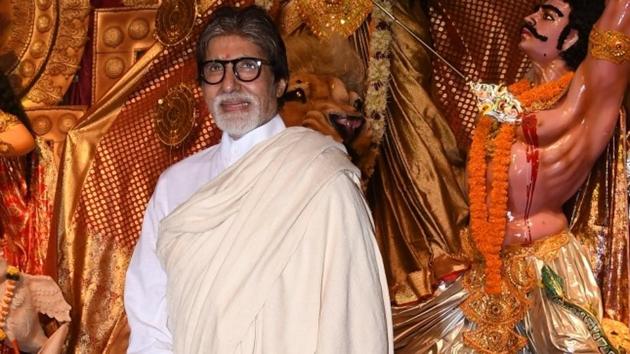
532	287
323	92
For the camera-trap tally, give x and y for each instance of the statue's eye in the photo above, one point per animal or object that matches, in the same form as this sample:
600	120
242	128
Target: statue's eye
358	104
295	95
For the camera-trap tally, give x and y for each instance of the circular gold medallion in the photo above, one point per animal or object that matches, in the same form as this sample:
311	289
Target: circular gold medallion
67	122
113	36
175	115
44	4
175	20
138	28
38	49
27	68
41	125
44	23
114	67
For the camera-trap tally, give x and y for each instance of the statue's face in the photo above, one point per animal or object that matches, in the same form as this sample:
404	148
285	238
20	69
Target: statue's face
542	29
323	103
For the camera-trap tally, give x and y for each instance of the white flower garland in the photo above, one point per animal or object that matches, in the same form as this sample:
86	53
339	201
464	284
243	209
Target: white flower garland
379	71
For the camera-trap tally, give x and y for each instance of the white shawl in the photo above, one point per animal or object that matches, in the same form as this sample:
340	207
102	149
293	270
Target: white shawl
226	248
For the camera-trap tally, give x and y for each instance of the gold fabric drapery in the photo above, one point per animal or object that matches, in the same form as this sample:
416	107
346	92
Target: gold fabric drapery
600	222
111	163
416	192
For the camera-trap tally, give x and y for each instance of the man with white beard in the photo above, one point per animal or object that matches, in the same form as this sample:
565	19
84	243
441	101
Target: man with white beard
262	243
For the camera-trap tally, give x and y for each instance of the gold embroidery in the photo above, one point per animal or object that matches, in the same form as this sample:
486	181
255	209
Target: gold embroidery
175	118
6	120
170	29
545	249
326	18
497	315
63	42
613	46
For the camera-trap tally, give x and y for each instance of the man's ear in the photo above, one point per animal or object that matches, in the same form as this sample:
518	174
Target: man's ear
571	39
281	86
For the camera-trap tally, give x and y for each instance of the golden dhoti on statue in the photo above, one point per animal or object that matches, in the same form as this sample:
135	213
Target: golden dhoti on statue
463	319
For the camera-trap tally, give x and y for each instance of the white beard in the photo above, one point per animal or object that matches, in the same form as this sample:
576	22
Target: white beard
237	124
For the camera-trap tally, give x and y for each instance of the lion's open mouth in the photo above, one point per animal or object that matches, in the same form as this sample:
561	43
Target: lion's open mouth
347	126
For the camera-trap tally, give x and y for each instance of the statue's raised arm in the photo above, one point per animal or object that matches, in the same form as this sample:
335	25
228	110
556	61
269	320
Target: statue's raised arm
606	66
604	72
597	89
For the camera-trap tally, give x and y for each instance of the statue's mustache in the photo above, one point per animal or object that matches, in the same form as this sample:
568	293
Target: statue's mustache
534	32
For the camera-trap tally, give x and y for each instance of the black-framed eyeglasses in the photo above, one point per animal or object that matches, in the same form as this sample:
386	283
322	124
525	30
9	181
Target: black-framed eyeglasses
245	69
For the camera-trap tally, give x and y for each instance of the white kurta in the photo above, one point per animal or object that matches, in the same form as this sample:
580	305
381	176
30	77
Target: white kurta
145	287
277	255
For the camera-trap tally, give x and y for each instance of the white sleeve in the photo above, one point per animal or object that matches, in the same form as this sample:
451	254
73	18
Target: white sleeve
145	286
355	313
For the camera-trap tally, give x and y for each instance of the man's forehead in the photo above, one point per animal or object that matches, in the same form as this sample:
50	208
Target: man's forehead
230	46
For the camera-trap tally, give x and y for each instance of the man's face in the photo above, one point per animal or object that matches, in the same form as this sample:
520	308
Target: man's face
239	107
542	29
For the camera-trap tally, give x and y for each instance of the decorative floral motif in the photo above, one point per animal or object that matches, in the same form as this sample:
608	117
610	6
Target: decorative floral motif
496	101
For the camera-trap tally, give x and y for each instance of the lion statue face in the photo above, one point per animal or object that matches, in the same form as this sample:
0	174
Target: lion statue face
322	94
323	103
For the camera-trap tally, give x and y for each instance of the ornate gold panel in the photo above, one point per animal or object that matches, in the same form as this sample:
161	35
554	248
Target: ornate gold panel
120	37
52	124
26	37
50	56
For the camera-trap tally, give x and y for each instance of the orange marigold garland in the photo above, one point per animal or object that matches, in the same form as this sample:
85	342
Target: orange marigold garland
497	218
538	97
488	223
489	215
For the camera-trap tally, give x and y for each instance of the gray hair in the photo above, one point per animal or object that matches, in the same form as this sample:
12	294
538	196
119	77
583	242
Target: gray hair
253	23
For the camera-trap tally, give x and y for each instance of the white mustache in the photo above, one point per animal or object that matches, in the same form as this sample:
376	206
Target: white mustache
233	96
